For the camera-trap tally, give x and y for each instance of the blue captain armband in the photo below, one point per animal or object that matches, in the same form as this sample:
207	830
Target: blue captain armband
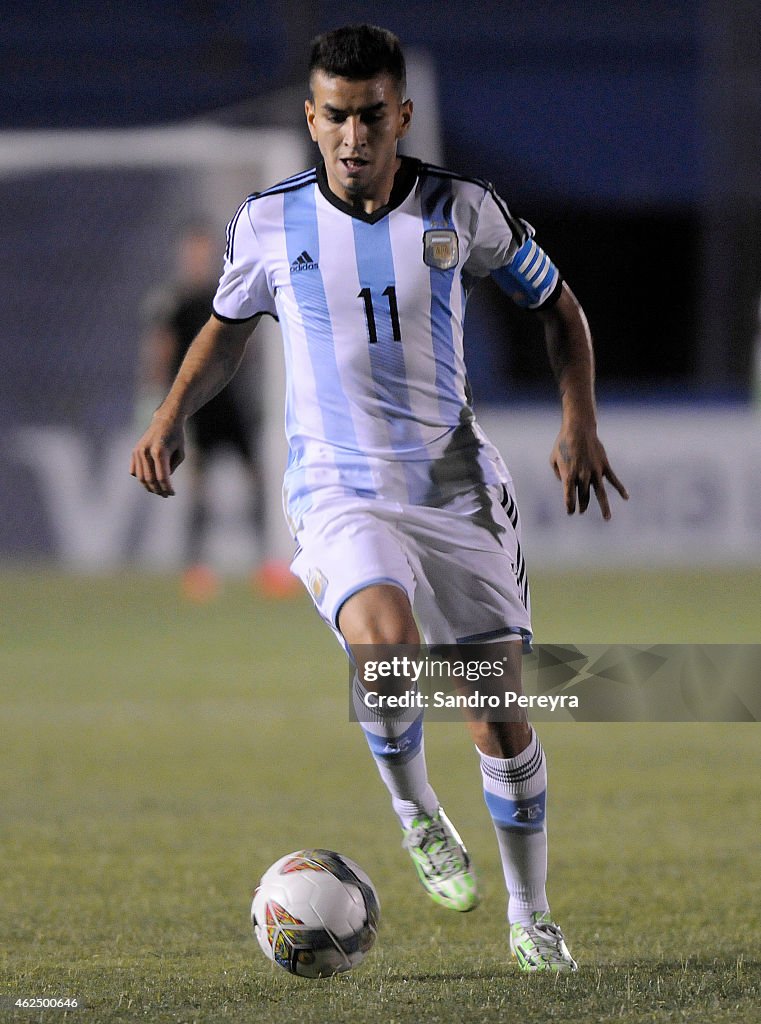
531	279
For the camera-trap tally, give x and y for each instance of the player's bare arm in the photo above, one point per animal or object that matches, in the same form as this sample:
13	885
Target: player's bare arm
211	362
578	457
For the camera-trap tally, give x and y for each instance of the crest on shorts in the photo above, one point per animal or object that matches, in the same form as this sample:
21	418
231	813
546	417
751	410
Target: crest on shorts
441	249
317	582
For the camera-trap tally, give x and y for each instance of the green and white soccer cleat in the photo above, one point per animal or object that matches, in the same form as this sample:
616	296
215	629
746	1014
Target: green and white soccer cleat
541	946
442	862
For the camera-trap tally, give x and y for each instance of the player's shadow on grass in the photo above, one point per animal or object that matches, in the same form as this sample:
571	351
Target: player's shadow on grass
735	962
485	974
742	971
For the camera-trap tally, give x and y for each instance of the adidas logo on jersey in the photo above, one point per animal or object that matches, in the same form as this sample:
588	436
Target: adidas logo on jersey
303	262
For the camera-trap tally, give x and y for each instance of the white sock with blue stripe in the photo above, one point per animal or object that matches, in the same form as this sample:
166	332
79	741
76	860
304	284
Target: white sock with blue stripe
515	790
395	739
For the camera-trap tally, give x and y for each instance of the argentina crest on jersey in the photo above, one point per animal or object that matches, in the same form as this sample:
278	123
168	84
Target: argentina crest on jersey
441	248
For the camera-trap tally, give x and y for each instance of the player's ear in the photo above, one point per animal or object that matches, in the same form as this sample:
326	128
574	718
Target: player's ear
405	118
310	115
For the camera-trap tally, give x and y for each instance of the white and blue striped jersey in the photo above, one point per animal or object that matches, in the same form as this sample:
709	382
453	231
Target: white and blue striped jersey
371	308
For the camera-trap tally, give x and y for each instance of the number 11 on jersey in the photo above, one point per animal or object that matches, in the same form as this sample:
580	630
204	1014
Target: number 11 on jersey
393	309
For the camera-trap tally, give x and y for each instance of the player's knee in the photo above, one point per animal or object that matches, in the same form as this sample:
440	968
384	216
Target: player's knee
386	634
378	615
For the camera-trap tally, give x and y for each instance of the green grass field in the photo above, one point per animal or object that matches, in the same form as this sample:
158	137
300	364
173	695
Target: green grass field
157	757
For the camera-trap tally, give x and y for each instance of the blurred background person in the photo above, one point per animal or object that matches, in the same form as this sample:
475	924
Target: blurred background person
173	315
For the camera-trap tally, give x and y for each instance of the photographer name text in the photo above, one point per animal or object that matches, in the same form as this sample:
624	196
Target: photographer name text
442	699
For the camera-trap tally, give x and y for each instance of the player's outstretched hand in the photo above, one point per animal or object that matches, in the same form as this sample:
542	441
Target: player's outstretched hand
157	454
582	466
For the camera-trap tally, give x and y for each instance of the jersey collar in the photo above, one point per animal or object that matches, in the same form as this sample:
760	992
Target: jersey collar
404	181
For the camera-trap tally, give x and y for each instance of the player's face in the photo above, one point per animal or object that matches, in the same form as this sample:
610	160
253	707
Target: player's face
357	126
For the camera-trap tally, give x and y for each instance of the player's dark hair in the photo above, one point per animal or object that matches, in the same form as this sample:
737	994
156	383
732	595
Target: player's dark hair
359	52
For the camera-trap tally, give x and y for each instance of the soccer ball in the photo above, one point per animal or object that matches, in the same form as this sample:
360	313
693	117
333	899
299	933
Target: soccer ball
315	913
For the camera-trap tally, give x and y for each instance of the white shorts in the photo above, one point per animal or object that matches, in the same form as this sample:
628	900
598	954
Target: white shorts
460	565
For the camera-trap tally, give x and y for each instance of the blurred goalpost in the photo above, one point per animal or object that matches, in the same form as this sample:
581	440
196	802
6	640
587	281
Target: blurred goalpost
94	216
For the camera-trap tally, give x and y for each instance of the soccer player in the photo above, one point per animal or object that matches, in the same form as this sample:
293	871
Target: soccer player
402	511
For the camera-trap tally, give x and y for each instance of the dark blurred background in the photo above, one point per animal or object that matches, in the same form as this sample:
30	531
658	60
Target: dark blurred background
628	133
